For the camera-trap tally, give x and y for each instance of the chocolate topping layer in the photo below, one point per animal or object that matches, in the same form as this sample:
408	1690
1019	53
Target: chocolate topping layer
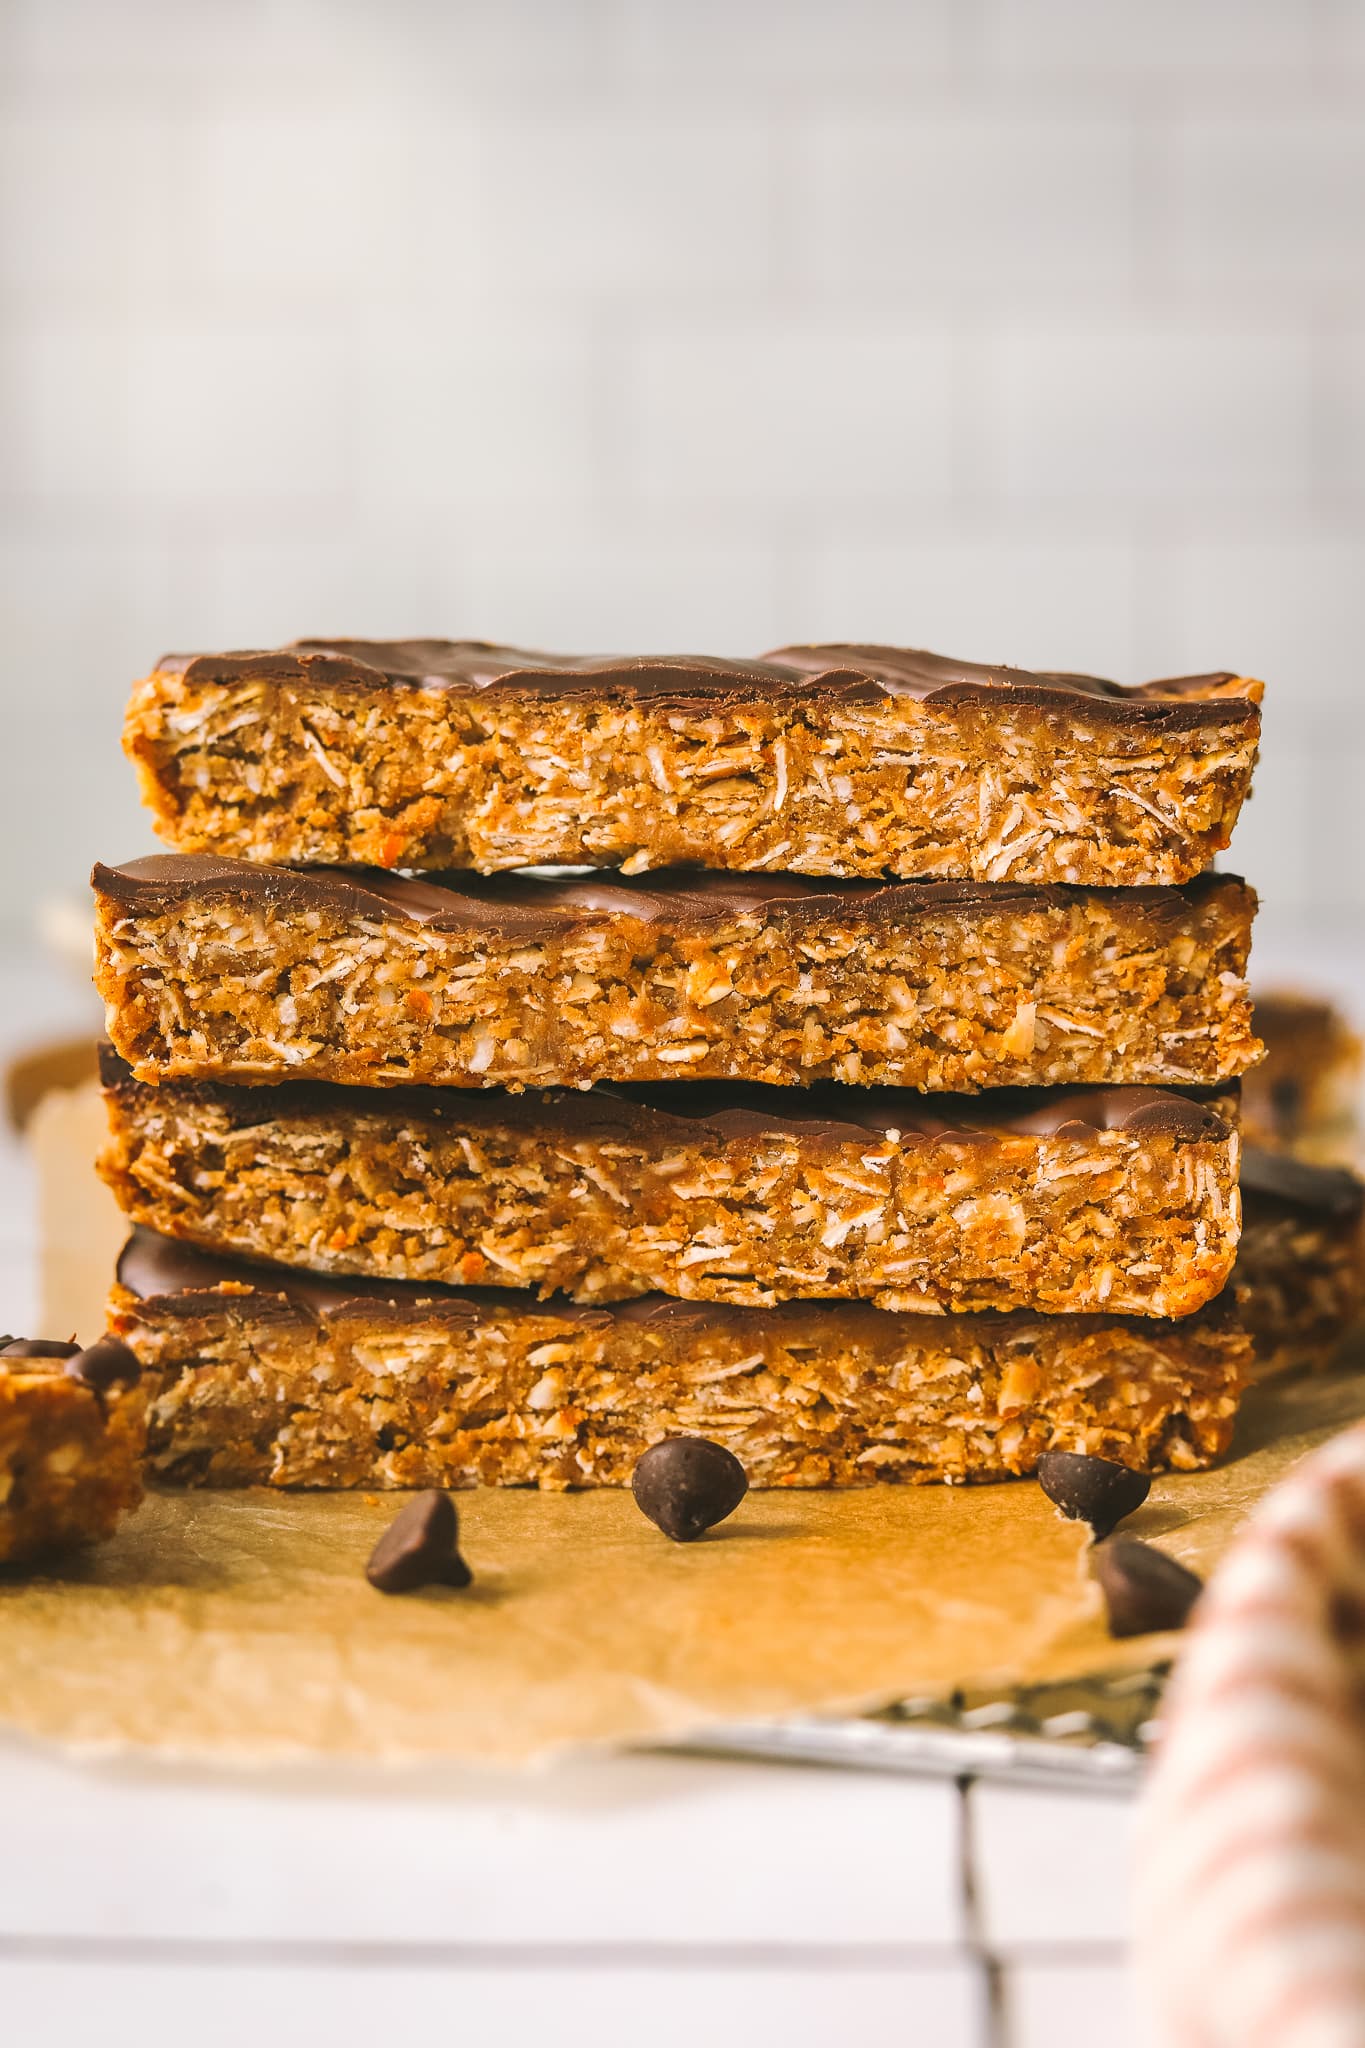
171	1278
735	1109
849	673
160	1270
532	903
1325	1190
937	678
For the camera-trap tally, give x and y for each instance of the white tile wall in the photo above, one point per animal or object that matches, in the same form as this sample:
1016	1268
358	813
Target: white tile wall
1343	397
910	204
1267	199
1210	417
85	206
1070	2005
1284	607
1027	328
494	413
64	2004
63	417
761	413
768	42
298	209
239	415
605	584
623	199
1167	38
613	1853
1068	604
1046	1863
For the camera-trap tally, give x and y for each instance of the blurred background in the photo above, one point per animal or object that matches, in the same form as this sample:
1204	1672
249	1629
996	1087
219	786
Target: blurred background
1028	330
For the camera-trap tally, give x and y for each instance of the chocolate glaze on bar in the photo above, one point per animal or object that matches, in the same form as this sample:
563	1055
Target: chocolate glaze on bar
847	673
1332	1191
160	1270
939	679
667	1111
544	905
173	1280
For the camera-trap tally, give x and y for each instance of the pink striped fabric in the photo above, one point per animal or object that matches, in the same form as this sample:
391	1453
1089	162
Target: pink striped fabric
1250	1899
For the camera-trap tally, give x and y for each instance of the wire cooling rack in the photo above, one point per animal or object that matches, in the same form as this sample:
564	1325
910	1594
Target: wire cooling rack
1090	1733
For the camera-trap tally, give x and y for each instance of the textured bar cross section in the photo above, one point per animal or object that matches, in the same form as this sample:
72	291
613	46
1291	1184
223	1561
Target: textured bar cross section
223	969
838	760
287	1379
1299	1281
1304	1097
70	1458
1074	1199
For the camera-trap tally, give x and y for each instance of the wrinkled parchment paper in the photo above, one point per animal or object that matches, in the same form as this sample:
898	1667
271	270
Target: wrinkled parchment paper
239	1627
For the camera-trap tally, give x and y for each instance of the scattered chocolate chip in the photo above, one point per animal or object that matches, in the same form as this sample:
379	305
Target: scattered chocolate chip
687	1484
1143	1589
39	1347
107	1363
420	1548
1093	1490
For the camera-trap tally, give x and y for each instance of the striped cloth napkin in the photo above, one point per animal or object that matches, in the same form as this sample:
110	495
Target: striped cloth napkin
1250	1880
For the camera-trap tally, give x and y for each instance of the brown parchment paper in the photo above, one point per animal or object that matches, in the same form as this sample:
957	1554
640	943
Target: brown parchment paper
239	1627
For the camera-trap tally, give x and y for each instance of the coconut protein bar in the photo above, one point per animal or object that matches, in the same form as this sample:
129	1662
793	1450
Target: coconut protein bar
830	760
215	968
261	1376
1119	1199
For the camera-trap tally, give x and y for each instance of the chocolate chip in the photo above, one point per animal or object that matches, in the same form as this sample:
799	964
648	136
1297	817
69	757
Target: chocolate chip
107	1363
1093	1490
687	1484
1143	1589
39	1347
419	1548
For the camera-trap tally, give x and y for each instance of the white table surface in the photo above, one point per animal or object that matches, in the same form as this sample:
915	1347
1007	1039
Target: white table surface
657	1899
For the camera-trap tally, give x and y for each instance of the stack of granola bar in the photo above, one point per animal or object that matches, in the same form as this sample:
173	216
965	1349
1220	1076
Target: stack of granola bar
522	1059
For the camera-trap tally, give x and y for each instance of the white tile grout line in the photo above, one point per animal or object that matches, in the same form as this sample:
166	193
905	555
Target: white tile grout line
993	1985
891	1958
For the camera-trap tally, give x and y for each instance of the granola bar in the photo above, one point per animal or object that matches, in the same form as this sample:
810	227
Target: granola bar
70	1452
1122	1199
262	1376
224	969
1299	1281
837	760
1305	1096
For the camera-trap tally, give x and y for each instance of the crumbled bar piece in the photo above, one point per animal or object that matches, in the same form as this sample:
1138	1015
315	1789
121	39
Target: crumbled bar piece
1304	1097
281	1378
839	760
1299	1280
686	1484
221	969
71	1445
1121	1199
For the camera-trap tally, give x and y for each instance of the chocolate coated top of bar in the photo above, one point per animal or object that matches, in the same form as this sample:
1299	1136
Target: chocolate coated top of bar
1332	1191
688	1110
173	1280
543	904
162	1270
846	672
